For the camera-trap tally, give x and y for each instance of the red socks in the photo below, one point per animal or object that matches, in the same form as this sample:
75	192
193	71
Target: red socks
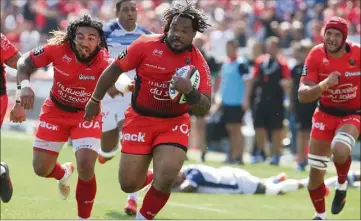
85	194
342	170
57	173
153	202
148	179
318	198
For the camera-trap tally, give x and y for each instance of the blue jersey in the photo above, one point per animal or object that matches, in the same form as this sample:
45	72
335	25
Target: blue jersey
118	38
233	75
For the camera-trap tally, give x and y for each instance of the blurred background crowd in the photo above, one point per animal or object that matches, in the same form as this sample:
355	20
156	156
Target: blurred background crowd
289	28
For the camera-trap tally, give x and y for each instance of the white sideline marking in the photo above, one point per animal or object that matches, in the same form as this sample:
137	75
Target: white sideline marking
197	207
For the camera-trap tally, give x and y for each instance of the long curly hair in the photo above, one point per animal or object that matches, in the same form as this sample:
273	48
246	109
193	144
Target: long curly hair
61	37
199	19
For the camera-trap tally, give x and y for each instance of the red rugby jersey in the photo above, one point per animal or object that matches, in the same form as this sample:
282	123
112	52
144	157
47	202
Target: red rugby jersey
318	65
155	65
7	51
74	81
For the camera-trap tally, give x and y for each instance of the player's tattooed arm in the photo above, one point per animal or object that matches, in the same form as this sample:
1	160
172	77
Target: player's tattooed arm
12	62
25	67
107	80
200	104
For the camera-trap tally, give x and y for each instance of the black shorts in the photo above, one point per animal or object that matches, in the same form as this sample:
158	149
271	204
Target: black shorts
268	116
304	115
232	114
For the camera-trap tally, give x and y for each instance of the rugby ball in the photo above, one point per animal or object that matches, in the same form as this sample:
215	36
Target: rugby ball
190	72
122	84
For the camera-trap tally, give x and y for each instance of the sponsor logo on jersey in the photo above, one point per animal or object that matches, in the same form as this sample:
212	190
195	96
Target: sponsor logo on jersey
133	137
304	70
86	77
123	54
38	51
352	74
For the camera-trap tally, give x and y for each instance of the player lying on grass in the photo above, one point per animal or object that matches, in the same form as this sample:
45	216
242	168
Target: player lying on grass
206	179
200	178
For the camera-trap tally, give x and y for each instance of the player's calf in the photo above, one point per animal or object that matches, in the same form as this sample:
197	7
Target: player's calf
341	147
316	187
86	185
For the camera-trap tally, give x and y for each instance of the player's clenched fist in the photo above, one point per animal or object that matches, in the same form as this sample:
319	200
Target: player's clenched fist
17	114
183	85
330	81
27	96
92	109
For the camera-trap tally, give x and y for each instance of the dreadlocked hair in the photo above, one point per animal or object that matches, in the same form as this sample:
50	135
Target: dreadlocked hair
61	37
199	19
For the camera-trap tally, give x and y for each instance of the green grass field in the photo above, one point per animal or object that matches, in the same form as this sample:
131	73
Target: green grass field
36	198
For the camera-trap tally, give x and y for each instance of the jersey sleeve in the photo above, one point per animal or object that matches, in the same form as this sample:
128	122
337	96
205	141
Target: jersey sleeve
194	178
205	74
8	50
310	69
43	55
132	56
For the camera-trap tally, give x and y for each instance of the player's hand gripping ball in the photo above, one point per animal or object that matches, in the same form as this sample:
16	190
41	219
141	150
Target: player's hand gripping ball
183	81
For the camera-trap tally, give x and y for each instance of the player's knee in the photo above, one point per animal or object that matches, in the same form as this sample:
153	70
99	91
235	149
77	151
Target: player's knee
164	181
342	144
85	168
129	187
41	169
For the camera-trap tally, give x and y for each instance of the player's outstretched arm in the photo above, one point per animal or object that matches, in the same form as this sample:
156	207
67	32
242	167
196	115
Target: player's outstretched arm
106	80
187	187
25	68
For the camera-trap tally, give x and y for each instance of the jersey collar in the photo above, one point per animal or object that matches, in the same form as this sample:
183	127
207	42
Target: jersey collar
136	27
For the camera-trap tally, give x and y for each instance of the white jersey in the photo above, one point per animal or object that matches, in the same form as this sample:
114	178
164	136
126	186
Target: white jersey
118	39
220	180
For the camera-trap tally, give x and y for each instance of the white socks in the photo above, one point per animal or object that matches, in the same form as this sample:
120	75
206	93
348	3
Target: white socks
133	196
321	215
342	186
139	216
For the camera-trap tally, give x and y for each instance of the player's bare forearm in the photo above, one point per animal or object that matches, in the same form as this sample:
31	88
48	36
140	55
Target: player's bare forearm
202	107
309	92
106	80
187	189
13	61
25	67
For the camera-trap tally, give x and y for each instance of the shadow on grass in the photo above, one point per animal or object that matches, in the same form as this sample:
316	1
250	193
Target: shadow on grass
114	214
